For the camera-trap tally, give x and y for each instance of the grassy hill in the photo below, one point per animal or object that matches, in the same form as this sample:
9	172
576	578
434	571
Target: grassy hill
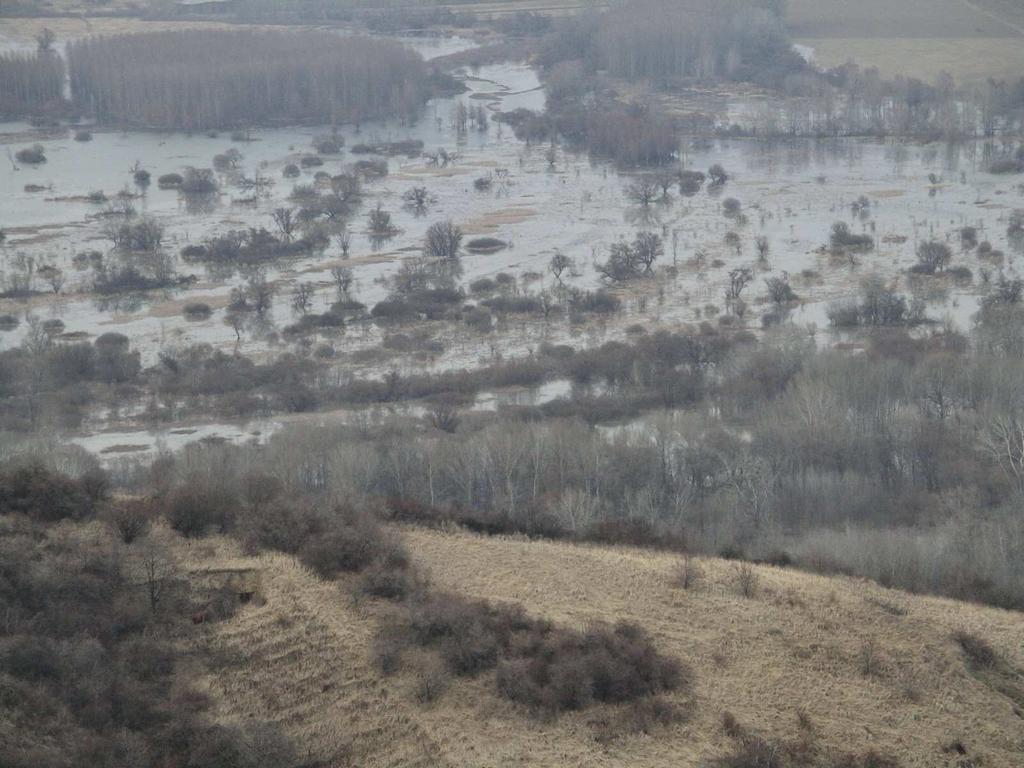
818	666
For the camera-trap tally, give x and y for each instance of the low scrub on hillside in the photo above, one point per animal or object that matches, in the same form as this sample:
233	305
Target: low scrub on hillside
544	667
89	674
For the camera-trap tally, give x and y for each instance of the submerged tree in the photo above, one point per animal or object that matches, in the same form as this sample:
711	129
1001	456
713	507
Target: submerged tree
628	261
559	264
442	240
285	221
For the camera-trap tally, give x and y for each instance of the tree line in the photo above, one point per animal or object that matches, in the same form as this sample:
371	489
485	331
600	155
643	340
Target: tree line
206	79
902	463
30	83
664	40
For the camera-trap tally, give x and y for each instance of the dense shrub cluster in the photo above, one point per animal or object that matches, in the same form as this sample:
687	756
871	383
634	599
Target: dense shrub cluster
32	490
879	305
88	671
33	155
563	670
51	380
842	239
628	261
352	542
251	246
629	135
329	539
234	384
546	668
144	234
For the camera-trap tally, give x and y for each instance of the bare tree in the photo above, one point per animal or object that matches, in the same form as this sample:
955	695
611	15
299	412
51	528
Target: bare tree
129	519
445	417
194	79
259	293
559	264
286	222
666	180
302	297
53	276
22	274
647	247
1003	439
779	290
733	240
417	199
236	320
933	257
157	571
380	222
344	239
620	265
762	246
642	191
442	241
738	280
460	118
627	261
343	279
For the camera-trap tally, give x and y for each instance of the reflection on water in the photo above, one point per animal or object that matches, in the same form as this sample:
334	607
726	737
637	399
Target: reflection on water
791	191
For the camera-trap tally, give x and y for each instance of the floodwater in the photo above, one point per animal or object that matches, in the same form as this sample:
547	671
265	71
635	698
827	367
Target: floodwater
790	192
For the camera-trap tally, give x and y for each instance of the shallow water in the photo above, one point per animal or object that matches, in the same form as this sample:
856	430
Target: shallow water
791	192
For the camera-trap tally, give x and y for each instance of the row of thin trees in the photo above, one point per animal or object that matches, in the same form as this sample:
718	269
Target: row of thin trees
205	79
665	39
30	82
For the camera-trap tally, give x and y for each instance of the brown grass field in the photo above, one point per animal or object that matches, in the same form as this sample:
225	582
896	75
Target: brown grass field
800	644
971	39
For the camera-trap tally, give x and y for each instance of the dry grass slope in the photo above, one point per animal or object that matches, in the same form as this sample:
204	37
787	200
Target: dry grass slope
873	668
302	660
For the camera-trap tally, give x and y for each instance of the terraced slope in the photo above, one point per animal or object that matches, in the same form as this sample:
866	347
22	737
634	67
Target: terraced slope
302	660
845	666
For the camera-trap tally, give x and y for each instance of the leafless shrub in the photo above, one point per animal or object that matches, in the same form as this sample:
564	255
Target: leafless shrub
747	580
130	518
976	648
868	659
431	683
689	573
380	222
643	190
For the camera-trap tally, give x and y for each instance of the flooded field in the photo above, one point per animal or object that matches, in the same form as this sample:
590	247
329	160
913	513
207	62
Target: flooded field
538	201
